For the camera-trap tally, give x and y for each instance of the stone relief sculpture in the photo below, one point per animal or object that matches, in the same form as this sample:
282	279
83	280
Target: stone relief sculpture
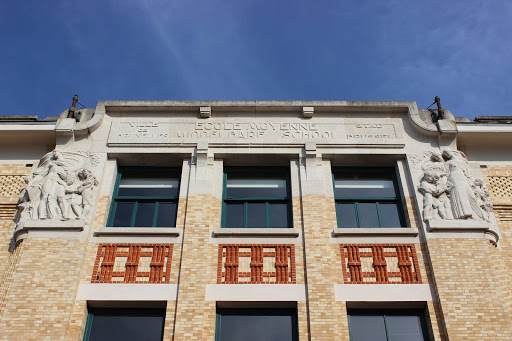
448	189
61	187
484	198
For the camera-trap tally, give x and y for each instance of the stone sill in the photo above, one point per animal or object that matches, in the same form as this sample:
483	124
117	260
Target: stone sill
256	232
137	231
51	224
458	225
23	229
378	231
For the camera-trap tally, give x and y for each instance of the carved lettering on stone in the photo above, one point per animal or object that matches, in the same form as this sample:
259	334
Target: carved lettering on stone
448	188
60	188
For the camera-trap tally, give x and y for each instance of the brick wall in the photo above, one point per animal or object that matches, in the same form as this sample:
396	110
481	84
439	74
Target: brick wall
472	277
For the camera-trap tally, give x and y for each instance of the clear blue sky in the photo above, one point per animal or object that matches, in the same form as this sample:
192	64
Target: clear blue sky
256	50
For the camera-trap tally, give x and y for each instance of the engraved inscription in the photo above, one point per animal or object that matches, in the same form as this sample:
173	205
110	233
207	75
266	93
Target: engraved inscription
227	130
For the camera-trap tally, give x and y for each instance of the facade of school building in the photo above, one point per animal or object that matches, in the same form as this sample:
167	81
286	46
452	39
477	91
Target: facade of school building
255	220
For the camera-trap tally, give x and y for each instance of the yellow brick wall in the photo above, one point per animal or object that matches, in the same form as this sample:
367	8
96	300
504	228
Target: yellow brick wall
323	264
42	291
194	272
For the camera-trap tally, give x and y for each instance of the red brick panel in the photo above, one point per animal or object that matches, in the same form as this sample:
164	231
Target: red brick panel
380	264
256	264
132	263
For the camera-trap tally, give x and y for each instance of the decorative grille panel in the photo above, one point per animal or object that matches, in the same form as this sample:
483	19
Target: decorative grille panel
133	263
256	264
380	264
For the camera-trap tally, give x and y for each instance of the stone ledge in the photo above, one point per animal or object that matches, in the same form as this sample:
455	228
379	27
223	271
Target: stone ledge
378	231
22	230
458	225
256	232
137	231
383	292
126	292
255	292
51	224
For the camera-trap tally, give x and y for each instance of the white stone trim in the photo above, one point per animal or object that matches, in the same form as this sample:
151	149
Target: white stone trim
126	292
378	231
383	292
256	232
256	292
137	231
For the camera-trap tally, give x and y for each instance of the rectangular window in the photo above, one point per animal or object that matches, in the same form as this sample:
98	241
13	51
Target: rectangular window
256	325
256	198
125	324
367	197
387	325
145	198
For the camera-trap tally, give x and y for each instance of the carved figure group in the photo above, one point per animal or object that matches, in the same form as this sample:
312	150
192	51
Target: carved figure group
60	188
449	191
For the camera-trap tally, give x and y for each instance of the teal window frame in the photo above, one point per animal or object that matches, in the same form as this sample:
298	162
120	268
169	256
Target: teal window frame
248	311
397	199
120	311
136	199
421	313
266	200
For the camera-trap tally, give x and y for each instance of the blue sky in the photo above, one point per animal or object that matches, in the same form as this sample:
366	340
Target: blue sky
256	50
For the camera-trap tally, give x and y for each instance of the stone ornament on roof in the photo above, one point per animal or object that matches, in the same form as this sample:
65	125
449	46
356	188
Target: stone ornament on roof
61	188
448	188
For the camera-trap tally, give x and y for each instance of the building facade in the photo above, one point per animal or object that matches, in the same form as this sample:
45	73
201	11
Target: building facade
244	220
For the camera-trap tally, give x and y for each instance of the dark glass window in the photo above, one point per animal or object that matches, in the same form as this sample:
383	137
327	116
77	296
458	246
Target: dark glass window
256	325
145	198
256	198
367	197
387	325
125	324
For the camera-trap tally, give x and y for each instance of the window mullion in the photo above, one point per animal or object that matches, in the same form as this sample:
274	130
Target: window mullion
386	327
267	211
357	214
378	213
155	213
135	204
246	213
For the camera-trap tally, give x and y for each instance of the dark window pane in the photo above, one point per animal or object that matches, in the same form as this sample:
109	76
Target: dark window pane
367	185
346	215
256	216
368	215
389	215
166	214
367	328
132	325
404	328
234	215
123	214
257	326
144	215
278	215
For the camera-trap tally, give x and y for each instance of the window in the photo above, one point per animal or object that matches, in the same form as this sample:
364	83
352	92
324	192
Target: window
256	325
387	325
125	324
367	197
145	198
256	198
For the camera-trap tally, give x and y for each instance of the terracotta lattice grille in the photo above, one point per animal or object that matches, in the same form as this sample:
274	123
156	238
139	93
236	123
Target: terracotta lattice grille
380	264
256	264
500	186
132	263
11	185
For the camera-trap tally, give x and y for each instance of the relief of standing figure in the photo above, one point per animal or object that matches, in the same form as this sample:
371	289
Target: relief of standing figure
464	203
